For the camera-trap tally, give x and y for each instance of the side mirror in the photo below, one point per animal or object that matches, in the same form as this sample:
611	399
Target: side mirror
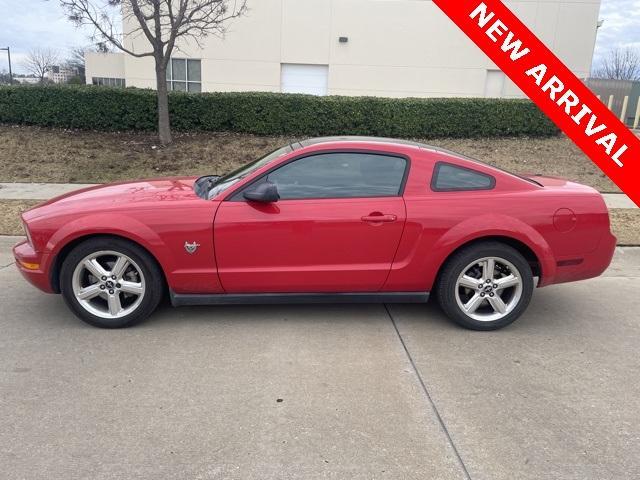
265	192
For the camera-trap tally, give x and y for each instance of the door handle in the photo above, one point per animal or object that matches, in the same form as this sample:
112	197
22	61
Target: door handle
377	217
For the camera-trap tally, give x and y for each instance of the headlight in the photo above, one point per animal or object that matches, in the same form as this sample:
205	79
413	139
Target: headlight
27	233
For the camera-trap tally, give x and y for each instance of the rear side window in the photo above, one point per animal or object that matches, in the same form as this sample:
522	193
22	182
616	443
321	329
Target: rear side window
453	178
340	175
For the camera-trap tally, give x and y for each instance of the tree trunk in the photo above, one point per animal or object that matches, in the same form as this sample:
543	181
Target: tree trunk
164	126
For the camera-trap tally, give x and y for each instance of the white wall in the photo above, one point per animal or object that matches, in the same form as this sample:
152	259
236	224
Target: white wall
107	65
396	48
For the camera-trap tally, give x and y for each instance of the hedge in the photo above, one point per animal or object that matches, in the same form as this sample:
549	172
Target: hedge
103	108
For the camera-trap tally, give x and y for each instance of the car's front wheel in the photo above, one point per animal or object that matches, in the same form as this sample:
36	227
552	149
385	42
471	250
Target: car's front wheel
110	282
485	286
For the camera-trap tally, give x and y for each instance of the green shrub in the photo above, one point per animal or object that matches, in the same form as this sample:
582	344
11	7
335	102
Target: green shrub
103	108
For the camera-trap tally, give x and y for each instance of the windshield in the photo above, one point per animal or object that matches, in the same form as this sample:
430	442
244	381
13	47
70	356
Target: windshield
230	179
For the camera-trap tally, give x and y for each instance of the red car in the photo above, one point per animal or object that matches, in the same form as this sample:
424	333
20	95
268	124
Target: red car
324	220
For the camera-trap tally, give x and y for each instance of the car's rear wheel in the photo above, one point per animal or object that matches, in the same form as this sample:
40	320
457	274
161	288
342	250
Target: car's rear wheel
485	286
110	282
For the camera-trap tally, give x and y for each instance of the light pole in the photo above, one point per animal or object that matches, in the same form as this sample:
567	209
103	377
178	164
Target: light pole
9	56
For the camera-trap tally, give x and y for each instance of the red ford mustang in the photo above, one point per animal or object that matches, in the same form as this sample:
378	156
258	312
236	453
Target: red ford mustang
324	220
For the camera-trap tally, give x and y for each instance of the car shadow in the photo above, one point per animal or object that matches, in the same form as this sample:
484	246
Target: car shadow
429	313
547	310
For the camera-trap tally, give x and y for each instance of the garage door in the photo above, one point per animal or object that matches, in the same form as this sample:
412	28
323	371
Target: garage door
311	79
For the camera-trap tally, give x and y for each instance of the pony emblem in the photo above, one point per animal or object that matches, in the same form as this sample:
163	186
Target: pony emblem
191	247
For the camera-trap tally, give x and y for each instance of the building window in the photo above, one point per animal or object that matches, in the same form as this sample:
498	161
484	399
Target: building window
184	75
109	82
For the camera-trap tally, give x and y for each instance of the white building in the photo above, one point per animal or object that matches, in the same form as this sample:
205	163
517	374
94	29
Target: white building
58	74
26	80
391	48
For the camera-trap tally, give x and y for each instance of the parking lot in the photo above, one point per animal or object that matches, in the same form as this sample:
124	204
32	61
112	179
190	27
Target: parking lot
362	391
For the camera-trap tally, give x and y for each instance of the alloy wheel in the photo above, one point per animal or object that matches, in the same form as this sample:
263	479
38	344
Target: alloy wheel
489	289
108	284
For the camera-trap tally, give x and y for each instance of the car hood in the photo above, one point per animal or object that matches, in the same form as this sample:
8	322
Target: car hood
120	195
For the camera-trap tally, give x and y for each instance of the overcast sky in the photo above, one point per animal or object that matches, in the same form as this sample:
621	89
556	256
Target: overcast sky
26	24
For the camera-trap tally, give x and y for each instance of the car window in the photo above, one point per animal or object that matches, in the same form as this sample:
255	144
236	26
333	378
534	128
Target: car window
226	181
448	178
340	175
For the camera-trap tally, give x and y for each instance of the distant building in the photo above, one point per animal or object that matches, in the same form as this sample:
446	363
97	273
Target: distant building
58	74
26	80
401	48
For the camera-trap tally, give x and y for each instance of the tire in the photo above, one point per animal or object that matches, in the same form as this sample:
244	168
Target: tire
105	302
511	284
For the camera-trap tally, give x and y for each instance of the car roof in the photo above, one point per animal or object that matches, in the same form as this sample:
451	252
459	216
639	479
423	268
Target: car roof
348	138
363	139
401	142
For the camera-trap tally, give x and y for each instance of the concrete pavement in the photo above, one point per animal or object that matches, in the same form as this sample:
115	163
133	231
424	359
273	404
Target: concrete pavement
363	391
45	191
551	397
618	200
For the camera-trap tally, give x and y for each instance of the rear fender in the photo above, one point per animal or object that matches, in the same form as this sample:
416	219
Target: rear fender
493	225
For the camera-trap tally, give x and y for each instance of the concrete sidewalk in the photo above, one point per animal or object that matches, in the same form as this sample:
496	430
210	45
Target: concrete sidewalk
45	191
618	200
37	191
324	391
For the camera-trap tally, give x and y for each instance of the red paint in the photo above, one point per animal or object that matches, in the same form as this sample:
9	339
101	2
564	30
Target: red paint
306	245
328	245
496	30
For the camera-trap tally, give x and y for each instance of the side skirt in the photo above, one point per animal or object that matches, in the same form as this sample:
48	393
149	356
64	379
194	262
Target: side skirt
179	299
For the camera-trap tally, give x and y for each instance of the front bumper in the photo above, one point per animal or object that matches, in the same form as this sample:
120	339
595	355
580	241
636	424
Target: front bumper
31	265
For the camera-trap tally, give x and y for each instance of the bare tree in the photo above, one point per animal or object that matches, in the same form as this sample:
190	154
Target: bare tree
5	79
103	47
75	62
39	61
620	64
162	23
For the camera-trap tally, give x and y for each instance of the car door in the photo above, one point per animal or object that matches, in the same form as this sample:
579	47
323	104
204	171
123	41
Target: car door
336	227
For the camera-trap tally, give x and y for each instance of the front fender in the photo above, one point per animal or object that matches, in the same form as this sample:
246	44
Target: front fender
110	224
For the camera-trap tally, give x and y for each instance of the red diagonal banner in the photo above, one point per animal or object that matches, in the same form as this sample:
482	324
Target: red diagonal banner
552	86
